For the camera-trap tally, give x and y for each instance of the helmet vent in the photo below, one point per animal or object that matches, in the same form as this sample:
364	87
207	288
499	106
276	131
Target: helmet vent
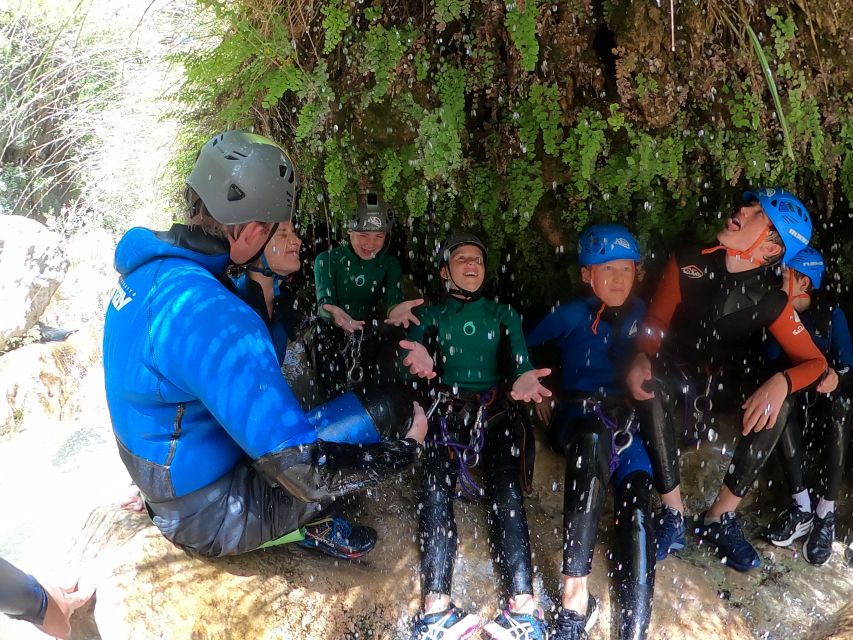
235	193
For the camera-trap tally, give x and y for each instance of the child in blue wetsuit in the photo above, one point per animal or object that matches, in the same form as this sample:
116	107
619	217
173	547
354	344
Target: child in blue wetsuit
594	426
829	416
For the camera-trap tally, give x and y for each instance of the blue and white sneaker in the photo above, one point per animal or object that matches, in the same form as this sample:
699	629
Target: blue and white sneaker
732	546
339	538
669	532
451	624
511	625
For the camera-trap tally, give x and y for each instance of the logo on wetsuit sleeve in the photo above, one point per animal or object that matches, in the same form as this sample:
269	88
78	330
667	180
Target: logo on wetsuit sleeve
633	330
798	329
120	297
692	271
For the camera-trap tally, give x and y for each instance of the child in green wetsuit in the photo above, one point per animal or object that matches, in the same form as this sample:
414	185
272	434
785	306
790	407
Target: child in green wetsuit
479	365
358	285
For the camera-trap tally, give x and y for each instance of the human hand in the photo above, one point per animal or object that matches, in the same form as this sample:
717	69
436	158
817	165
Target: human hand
762	408
418	361
639	373
545	410
343	319
418	430
829	382
402	313
62	602
133	501
527	386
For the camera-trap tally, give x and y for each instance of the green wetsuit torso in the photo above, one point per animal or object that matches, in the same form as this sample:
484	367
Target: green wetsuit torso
357	286
477	344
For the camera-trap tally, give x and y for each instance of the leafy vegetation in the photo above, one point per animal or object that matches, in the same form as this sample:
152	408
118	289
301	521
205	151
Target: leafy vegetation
529	120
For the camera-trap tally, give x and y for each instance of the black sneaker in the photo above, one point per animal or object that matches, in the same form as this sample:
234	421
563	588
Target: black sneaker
669	532
732	547
790	523
339	538
571	625
818	546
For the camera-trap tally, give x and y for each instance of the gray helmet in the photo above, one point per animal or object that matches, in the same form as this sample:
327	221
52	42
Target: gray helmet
371	215
243	177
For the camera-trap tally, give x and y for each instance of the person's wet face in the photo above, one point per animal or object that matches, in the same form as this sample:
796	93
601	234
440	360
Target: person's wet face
611	281
282	252
467	268
366	244
743	228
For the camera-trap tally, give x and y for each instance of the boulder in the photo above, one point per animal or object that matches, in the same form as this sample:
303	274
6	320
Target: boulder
38	381
32	265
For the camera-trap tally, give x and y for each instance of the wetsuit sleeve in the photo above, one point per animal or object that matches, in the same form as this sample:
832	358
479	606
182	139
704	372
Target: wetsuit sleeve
393	290
808	363
21	595
841	348
324	281
557	324
511	324
659	315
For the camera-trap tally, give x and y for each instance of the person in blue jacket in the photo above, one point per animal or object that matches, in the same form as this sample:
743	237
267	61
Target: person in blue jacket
812	513
594	426
225	457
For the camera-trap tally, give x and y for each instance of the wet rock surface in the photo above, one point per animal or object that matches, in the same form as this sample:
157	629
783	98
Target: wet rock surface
150	589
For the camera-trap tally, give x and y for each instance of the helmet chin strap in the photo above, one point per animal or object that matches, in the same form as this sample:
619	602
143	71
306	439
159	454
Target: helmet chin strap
746	255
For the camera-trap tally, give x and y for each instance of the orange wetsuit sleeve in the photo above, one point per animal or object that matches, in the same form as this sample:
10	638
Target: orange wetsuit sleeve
808	363
666	299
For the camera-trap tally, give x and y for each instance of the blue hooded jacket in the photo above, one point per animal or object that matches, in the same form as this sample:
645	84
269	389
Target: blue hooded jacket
192	379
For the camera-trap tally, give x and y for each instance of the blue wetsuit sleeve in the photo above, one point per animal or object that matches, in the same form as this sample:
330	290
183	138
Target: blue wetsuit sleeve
213	346
21	595
557	324
841	348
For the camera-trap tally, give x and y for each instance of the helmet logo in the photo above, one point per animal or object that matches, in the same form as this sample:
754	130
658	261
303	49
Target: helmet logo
469	329
359	281
799	236
692	271
373	221
622	242
770	192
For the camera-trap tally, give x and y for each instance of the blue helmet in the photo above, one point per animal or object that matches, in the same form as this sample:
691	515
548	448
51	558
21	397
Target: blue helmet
602	243
810	263
788	215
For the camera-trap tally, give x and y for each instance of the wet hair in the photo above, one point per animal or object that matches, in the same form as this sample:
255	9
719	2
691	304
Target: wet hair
198	217
773	237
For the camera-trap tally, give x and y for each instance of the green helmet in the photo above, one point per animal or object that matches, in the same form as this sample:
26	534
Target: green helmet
371	215
243	177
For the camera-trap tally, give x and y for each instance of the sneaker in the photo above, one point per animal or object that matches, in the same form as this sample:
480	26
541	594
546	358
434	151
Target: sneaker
511	625
570	625
339	538
818	546
451	624
732	547
669	532
791	523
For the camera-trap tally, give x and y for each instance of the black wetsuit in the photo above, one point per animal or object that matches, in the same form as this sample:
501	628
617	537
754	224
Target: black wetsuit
704	320
21	595
828	415
475	345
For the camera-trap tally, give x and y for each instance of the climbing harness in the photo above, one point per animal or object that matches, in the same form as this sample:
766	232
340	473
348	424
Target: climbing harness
466	455
623	435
